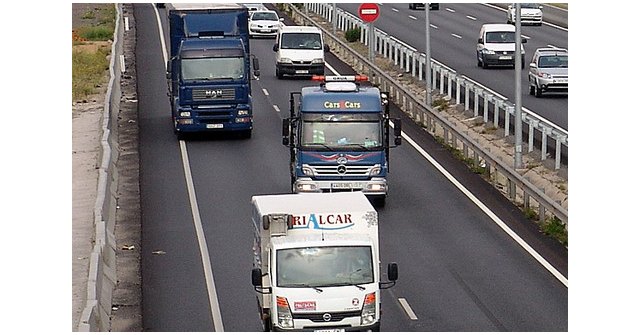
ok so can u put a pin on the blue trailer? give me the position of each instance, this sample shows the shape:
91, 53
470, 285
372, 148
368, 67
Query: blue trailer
338, 134
209, 72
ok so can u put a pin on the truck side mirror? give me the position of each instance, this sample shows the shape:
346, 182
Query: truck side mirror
392, 271
397, 131
285, 132
524, 40
256, 277
480, 41
275, 47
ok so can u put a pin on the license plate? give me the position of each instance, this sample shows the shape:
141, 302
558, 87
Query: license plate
346, 185
505, 57
302, 71
214, 126
329, 330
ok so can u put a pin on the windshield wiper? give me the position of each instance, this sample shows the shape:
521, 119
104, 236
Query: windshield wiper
305, 285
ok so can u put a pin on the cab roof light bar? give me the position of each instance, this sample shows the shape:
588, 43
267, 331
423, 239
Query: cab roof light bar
326, 79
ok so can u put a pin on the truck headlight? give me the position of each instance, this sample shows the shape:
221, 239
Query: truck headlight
317, 61
375, 170
243, 112
307, 170
285, 319
185, 114
368, 315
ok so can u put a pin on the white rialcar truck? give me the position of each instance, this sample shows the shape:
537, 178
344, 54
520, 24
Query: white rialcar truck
317, 263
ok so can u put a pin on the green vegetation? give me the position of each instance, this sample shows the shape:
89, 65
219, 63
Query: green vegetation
556, 229
352, 35
90, 50
88, 70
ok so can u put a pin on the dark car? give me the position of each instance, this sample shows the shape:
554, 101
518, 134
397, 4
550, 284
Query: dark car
434, 6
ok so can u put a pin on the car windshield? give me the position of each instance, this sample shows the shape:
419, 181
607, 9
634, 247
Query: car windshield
212, 68
529, 5
324, 266
301, 41
342, 131
264, 16
501, 37
553, 61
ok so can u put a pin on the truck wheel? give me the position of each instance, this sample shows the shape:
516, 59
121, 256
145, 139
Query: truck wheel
267, 325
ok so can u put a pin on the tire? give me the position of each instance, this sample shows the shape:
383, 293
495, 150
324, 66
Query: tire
484, 64
279, 74
532, 89
266, 325
538, 91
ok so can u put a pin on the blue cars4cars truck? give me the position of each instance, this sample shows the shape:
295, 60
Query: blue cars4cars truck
338, 134
209, 72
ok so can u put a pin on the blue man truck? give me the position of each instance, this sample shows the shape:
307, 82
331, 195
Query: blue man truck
209, 72
338, 135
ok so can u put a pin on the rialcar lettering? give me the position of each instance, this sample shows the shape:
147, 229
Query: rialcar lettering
344, 104
323, 221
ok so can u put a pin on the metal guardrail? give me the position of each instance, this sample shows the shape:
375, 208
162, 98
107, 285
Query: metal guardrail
430, 119
102, 265
485, 101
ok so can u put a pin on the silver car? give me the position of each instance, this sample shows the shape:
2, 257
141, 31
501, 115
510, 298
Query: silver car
549, 71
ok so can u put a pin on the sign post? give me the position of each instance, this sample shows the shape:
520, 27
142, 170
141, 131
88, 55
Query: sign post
369, 12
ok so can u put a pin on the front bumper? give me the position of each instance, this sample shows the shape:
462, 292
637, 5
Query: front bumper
372, 187
263, 32
300, 69
500, 59
553, 84
370, 328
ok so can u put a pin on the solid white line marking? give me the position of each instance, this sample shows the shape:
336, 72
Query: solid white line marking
471, 18
216, 315
407, 309
456, 36
264, 90
202, 242
488, 212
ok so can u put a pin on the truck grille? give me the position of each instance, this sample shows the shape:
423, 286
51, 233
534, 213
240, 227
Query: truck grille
206, 94
319, 317
341, 170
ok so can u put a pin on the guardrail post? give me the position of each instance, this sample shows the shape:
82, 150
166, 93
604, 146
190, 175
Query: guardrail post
413, 63
559, 141
449, 84
496, 112
532, 125
442, 80
476, 100
507, 117
545, 131
486, 99
421, 64
458, 93
467, 87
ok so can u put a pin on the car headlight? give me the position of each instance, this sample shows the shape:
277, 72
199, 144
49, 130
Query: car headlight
317, 61
488, 52
285, 60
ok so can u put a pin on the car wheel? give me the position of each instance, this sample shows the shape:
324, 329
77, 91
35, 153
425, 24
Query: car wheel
484, 64
278, 73
538, 91
411, 6
532, 89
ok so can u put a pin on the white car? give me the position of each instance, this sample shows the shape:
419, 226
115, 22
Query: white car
265, 23
530, 13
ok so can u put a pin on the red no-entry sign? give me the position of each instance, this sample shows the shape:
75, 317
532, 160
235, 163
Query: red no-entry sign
369, 12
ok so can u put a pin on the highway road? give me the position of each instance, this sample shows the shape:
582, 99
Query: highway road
459, 270
454, 34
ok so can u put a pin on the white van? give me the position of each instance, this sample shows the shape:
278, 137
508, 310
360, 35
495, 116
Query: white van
497, 45
299, 51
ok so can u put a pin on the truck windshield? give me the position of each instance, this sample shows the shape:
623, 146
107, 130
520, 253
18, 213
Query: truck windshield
301, 41
341, 131
231, 68
324, 266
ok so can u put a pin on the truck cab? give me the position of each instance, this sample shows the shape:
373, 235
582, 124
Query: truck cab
339, 138
316, 262
209, 72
